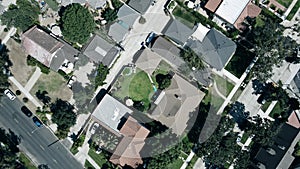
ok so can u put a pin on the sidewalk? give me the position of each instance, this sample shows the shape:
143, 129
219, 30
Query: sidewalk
286, 13
10, 33
30, 83
188, 159
26, 93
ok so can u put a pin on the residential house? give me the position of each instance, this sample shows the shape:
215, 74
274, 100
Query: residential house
171, 54
212, 46
177, 31
110, 112
231, 12
98, 50
128, 150
140, 5
126, 18
49, 50
280, 154
175, 103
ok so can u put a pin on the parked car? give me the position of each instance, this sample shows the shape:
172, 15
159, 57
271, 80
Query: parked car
37, 121
71, 81
9, 94
95, 126
26, 111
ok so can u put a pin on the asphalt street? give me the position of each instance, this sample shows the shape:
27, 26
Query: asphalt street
39, 143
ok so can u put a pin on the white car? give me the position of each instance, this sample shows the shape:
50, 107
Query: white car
95, 126
71, 81
10, 94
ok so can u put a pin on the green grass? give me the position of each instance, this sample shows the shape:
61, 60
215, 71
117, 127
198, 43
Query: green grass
175, 164
26, 162
98, 158
285, 3
215, 100
192, 162
265, 106
184, 16
223, 85
236, 95
245, 137
293, 11
52, 4
88, 165
276, 110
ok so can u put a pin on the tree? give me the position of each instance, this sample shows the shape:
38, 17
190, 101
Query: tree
101, 74
237, 111
77, 23
109, 14
42, 96
164, 81
63, 115
9, 149
5, 63
191, 58
22, 15
43, 166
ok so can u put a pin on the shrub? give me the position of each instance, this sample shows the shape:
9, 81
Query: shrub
33, 62
25, 99
18, 92
164, 81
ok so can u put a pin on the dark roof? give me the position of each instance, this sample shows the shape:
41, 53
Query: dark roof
140, 5
215, 49
177, 31
100, 50
271, 157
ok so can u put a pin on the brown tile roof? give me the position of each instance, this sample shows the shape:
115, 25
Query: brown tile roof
251, 10
212, 5
40, 45
128, 150
293, 120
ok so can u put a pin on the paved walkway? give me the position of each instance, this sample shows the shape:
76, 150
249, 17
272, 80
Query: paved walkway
95, 165
26, 93
286, 13
188, 159
30, 83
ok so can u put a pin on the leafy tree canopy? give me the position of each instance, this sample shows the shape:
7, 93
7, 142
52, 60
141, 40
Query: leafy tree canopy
22, 16
5, 63
77, 23
164, 81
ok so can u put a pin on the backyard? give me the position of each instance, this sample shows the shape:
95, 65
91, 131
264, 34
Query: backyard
54, 84
134, 84
184, 16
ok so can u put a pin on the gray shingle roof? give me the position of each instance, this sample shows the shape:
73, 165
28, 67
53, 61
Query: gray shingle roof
96, 3
177, 31
100, 50
215, 49
68, 2
140, 5
126, 18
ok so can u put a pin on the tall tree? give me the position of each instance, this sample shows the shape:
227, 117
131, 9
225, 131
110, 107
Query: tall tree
77, 23
5, 63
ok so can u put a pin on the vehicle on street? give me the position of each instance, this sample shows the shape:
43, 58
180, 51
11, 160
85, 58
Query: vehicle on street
37, 121
10, 94
71, 81
95, 126
26, 111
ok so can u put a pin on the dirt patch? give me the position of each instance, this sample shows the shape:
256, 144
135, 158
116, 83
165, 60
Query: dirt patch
54, 84
20, 70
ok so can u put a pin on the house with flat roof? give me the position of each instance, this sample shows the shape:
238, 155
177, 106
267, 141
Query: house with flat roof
128, 150
140, 5
49, 50
280, 154
109, 113
232, 12
98, 50
214, 48
126, 18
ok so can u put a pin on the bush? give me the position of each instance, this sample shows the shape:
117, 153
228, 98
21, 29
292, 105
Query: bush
164, 81
33, 62
18, 92
25, 99
102, 72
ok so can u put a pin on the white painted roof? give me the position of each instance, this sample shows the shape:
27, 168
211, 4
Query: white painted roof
230, 10
200, 32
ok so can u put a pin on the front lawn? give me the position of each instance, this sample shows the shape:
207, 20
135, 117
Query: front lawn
26, 162
265, 106
285, 3
213, 98
276, 110
223, 85
88, 165
240, 61
98, 158
175, 164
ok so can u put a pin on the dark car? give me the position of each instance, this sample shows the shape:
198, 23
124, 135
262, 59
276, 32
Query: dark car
26, 111
37, 121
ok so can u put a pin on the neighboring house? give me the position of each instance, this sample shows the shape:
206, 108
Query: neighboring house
232, 12
49, 50
177, 31
171, 54
126, 18
128, 150
213, 47
174, 104
280, 154
99, 50
95, 4
140, 5
109, 113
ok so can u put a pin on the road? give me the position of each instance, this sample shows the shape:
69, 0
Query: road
38, 143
